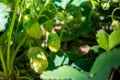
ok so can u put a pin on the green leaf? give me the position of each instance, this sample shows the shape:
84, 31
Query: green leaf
106, 61
105, 74
43, 19
95, 48
3, 38
46, 16
85, 27
72, 55
114, 39
78, 2
82, 64
4, 1
69, 33
60, 16
49, 13
27, 23
64, 73
49, 25
102, 39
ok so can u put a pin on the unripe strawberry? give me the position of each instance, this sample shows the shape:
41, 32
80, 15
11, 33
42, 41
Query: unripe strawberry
54, 42
115, 24
34, 30
26, 17
105, 6
38, 60
60, 16
115, 1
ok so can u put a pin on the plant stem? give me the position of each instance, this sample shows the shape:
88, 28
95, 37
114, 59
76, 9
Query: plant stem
44, 6
3, 62
111, 75
25, 77
15, 52
112, 15
10, 34
63, 27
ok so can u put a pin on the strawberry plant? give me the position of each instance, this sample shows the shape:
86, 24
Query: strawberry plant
59, 39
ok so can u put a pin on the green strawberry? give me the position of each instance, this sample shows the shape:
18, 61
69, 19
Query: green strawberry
115, 24
115, 1
34, 30
38, 60
106, 6
54, 42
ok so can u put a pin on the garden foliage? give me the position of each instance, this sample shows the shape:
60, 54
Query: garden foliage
36, 38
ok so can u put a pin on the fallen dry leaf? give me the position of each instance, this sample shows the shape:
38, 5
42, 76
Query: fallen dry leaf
84, 49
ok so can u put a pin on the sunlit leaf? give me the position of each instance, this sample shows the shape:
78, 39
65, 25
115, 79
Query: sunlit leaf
57, 59
61, 3
64, 73
3, 16
78, 2
60, 60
